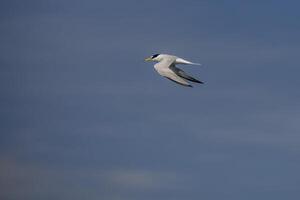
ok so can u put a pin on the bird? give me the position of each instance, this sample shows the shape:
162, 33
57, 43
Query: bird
166, 67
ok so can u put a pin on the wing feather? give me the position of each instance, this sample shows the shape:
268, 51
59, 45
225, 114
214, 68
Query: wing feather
182, 74
164, 68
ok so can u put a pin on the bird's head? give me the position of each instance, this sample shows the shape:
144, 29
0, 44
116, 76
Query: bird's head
155, 57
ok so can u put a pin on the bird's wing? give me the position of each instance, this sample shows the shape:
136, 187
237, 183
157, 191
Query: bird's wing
182, 74
173, 77
164, 69
164, 64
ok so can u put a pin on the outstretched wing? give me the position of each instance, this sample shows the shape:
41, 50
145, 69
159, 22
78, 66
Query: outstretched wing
182, 74
164, 69
173, 77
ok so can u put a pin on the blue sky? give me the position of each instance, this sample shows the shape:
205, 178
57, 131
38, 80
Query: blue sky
84, 117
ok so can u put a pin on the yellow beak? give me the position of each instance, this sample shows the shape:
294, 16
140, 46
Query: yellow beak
148, 59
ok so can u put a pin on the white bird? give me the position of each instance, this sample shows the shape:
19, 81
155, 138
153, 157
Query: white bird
166, 68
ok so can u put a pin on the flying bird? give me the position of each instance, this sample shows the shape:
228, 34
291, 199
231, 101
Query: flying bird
166, 67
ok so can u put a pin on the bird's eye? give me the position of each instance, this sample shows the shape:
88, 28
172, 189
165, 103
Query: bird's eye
155, 55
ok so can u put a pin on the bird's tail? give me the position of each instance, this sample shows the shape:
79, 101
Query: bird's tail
182, 61
195, 64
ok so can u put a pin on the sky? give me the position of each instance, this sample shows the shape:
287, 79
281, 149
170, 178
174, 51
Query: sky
84, 117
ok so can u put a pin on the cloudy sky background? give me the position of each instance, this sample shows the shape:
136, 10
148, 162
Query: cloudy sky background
84, 117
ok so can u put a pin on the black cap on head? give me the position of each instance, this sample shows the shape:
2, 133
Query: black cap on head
155, 55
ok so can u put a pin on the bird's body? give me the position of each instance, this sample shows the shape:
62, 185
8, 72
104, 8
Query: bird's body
166, 67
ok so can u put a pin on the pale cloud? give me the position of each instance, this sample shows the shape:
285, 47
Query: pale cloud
32, 179
142, 179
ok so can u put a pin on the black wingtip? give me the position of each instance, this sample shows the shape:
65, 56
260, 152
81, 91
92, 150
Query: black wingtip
196, 81
187, 85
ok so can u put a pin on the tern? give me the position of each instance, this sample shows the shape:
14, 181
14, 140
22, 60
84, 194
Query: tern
166, 67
